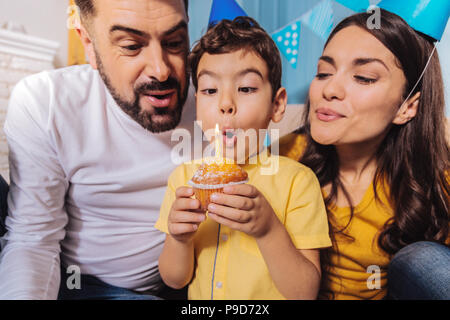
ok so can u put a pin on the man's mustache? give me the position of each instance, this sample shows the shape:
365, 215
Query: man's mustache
169, 84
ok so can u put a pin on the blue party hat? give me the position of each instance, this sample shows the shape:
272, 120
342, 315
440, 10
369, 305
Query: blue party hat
224, 9
427, 16
355, 5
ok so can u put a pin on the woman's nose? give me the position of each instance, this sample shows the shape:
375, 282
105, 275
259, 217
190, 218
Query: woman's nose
334, 89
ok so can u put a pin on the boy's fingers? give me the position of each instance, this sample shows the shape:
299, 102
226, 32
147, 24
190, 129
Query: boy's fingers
229, 213
246, 190
234, 201
187, 217
182, 204
226, 222
182, 228
184, 192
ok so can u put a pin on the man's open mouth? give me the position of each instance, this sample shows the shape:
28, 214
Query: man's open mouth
160, 100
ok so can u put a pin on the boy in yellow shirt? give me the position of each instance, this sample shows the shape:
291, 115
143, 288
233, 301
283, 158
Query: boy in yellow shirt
259, 240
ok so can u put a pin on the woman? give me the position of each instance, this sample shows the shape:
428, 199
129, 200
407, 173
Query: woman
375, 137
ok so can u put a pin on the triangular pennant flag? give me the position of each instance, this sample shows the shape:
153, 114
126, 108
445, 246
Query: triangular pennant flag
320, 19
355, 5
224, 9
288, 41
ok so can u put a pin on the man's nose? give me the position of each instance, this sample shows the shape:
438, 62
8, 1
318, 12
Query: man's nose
157, 66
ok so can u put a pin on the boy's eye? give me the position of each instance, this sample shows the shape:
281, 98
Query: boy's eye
365, 80
247, 89
208, 91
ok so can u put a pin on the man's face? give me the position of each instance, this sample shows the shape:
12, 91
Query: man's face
140, 49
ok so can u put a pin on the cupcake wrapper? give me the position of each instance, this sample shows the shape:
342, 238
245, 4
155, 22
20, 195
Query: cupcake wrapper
203, 192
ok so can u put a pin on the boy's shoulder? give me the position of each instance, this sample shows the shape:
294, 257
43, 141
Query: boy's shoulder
182, 173
292, 166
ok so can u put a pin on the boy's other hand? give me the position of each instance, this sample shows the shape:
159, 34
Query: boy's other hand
243, 208
185, 215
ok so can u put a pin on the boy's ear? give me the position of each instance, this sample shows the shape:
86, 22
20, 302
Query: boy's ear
408, 110
88, 46
279, 105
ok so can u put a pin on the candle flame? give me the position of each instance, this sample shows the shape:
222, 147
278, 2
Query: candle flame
217, 144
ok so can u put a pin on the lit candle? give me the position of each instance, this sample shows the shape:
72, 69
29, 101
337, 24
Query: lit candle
218, 145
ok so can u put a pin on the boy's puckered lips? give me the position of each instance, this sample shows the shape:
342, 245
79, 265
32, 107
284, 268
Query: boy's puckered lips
229, 136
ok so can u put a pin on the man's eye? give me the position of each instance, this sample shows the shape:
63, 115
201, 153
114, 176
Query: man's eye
177, 45
133, 47
208, 91
174, 44
247, 89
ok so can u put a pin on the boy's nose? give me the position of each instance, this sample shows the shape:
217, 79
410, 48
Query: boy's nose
228, 109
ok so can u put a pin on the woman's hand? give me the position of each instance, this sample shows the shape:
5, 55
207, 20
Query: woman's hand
243, 208
184, 216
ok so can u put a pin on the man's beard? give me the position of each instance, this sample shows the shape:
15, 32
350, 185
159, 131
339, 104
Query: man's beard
146, 118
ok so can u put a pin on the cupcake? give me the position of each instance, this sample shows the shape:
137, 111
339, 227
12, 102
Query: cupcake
211, 178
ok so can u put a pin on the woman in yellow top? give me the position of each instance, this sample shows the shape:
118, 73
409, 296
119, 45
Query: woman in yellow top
376, 142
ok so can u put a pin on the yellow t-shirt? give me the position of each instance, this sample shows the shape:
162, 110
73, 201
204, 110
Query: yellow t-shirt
228, 263
359, 271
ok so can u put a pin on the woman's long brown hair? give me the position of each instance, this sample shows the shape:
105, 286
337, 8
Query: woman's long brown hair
414, 158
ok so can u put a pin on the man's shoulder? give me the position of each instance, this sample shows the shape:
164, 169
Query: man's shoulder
62, 78
44, 87
45, 96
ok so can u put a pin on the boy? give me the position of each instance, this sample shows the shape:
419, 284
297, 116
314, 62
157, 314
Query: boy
259, 240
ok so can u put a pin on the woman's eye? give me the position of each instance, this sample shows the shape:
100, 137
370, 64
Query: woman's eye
247, 89
322, 76
365, 80
208, 91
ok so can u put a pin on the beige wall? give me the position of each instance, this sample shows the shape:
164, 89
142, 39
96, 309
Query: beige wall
41, 18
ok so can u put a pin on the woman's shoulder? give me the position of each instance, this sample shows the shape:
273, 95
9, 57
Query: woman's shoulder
292, 145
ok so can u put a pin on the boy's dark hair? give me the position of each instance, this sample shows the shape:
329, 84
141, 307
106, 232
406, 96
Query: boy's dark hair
242, 33
87, 8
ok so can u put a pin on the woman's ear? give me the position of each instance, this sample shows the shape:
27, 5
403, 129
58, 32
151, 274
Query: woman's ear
88, 46
408, 110
279, 105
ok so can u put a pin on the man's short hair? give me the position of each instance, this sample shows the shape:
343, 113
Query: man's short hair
87, 8
230, 36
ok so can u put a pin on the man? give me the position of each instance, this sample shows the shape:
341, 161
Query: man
90, 154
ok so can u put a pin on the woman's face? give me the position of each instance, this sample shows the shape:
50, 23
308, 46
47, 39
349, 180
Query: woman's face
357, 92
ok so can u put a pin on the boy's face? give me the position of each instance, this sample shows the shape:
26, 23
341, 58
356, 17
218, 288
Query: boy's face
234, 92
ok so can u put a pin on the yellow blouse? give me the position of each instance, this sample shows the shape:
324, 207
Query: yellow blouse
358, 267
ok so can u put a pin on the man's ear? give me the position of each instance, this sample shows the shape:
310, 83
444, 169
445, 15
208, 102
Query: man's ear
279, 105
408, 110
88, 45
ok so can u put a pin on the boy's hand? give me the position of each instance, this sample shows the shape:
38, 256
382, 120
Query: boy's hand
242, 207
184, 216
